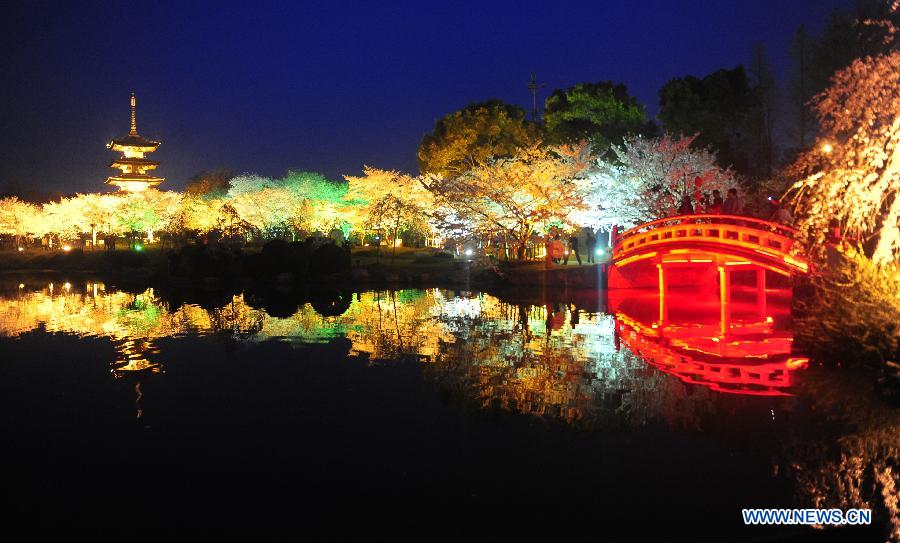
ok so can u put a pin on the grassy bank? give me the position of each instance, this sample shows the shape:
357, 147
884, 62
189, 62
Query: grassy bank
151, 260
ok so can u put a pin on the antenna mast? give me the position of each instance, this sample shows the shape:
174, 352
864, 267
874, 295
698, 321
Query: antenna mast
533, 87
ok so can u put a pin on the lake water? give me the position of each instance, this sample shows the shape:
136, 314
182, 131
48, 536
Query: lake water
447, 412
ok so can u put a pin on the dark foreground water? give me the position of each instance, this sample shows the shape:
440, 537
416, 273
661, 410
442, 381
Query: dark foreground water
435, 412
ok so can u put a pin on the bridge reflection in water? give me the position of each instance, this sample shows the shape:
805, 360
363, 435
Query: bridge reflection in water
752, 355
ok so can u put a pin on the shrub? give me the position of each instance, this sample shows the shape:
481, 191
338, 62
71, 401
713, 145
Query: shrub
278, 256
329, 259
853, 311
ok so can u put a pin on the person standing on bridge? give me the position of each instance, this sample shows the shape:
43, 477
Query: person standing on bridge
590, 244
716, 206
734, 204
781, 215
686, 207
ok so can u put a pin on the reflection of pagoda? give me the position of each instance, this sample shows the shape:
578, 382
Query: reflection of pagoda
134, 176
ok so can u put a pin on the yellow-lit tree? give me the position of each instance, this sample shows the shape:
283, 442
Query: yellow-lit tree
852, 175
21, 219
388, 201
519, 195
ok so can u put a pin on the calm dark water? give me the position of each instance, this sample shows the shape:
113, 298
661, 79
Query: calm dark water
434, 411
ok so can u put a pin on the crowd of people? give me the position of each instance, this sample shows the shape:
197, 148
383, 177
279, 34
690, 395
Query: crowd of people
559, 251
733, 204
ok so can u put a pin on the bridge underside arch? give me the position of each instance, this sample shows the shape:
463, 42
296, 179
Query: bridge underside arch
692, 264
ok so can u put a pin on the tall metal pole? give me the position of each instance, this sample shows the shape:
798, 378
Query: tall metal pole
533, 87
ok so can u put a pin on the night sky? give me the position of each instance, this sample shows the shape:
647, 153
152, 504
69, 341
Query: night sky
330, 86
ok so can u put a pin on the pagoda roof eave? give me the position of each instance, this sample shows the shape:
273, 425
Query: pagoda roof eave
133, 141
134, 163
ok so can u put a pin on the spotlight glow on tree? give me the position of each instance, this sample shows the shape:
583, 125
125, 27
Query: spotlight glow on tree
648, 179
857, 183
389, 201
21, 219
518, 195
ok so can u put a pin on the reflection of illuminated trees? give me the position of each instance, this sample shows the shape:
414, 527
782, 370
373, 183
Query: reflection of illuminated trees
506, 357
855, 464
522, 358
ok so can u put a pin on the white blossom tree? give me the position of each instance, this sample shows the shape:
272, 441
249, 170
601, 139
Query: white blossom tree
648, 179
852, 175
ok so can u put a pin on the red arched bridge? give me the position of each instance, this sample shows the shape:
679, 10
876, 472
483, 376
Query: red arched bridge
698, 250
723, 240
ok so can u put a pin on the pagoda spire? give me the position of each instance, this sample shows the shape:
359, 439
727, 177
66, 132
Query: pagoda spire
133, 163
133, 118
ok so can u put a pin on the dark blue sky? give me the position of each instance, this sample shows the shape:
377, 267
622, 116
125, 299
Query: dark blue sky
330, 86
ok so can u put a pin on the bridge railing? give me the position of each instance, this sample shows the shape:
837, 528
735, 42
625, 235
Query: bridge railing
734, 230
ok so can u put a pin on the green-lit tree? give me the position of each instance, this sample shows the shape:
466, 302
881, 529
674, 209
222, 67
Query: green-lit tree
601, 113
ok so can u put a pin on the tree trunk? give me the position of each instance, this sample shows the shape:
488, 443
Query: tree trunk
520, 250
889, 234
394, 241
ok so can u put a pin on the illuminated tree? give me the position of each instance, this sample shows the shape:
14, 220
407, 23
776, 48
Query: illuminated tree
601, 113
468, 137
388, 201
149, 210
262, 203
96, 212
518, 195
852, 175
201, 213
210, 184
648, 180
321, 203
300, 201
21, 219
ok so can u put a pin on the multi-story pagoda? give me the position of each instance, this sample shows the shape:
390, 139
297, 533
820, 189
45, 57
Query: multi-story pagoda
134, 176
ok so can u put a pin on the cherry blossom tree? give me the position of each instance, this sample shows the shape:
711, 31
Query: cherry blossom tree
149, 211
852, 174
388, 201
21, 219
518, 195
647, 180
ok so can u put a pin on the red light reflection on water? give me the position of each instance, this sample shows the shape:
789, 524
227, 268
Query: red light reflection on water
751, 353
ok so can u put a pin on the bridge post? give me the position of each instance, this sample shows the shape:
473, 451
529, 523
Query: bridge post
663, 291
725, 299
761, 293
